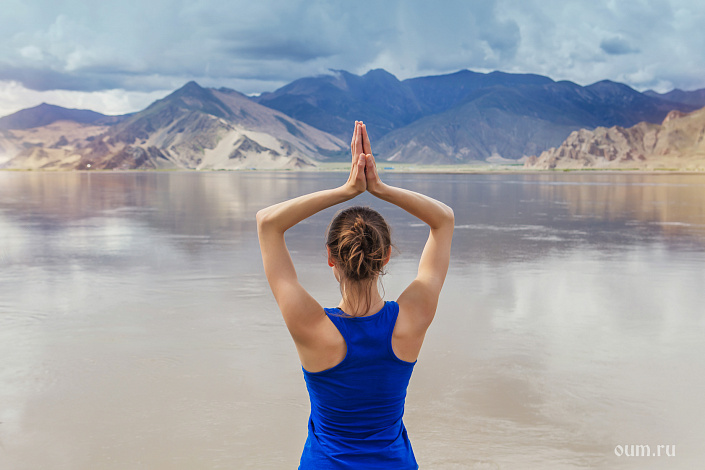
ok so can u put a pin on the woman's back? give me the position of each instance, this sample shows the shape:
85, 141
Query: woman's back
357, 398
357, 405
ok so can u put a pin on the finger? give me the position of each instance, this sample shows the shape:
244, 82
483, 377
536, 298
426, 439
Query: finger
353, 144
353, 141
354, 167
361, 164
366, 141
370, 166
358, 140
357, 135
360, 173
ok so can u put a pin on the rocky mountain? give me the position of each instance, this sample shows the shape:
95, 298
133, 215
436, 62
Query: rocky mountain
442, 92
678, 142
518, 121
455, 118
194, 127
332, 102
464, 116
482, 129
694, 98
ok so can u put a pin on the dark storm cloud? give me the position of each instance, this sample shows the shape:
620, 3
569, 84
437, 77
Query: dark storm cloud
294, 51
47, 79
617, 46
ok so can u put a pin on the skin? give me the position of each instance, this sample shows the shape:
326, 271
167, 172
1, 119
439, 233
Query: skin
318, 342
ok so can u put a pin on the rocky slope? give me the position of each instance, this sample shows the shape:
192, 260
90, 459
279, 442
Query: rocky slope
678, 142
194, 127
57, 145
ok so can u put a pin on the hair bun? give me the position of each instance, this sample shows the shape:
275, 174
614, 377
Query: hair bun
359, 241
359, 224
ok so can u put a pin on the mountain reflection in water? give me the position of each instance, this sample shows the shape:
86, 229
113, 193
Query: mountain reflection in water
137, 329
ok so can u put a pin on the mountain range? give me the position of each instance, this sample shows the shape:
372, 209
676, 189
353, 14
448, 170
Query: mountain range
461, 117
464, 116
194, 127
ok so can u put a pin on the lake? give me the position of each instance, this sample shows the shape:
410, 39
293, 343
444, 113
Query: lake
137, 330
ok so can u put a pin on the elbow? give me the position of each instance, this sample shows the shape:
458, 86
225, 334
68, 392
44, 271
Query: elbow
262, 218
268, 221
447, 217
444, 219
450, 215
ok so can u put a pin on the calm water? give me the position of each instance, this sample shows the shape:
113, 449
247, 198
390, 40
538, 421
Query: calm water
137, 330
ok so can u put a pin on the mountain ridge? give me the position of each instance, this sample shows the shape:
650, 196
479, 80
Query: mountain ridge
694, 97
504, 120
45, 114
460, 117
191, 128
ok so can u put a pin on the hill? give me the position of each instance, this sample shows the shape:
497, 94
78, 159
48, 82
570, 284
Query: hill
678, 142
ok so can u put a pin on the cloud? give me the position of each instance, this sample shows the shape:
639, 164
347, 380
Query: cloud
290, 51
617, 46
113, 44
42, 79
258, 46
14, 97
654, 43
456, 36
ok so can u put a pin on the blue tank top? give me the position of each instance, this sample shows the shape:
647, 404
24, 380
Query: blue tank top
357, 405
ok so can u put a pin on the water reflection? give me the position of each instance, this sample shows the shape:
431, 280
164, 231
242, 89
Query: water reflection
137, 330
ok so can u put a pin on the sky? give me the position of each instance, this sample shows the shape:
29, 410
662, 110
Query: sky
118, 57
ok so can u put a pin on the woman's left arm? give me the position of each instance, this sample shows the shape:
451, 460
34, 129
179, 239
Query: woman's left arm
301, 312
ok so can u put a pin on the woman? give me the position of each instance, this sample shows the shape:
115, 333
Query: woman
357, 358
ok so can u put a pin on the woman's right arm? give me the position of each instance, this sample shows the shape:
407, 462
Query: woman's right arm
302, 314
420, 299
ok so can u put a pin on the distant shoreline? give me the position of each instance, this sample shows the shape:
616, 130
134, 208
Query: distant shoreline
483, 168
397, 168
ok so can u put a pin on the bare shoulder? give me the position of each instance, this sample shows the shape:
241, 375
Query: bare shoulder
409, 332
321, 346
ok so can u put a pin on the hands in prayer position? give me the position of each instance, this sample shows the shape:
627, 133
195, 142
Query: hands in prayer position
363, 171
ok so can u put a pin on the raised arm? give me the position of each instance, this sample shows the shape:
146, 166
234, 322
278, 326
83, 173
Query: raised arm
420, 299
300, 311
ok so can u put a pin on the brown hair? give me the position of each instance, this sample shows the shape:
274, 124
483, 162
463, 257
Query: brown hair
359, 240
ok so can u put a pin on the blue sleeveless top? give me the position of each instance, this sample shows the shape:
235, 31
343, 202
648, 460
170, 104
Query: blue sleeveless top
357, 405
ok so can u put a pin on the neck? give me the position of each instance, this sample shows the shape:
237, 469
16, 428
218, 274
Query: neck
361, 298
